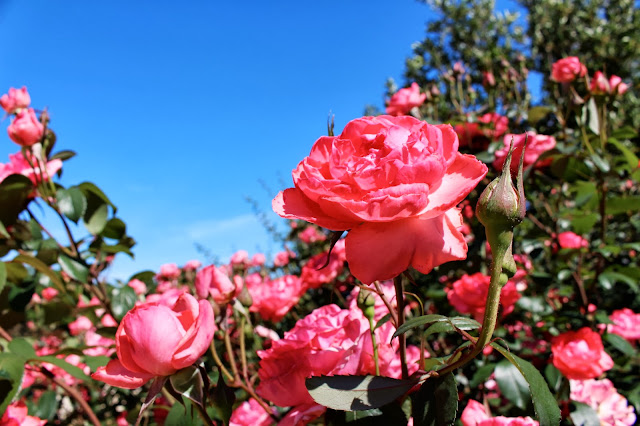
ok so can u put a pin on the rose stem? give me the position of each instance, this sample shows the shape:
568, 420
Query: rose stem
397, 282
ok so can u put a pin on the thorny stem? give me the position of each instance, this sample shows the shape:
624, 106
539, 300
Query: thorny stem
232, 360
397, 282
243, 354
375, 346
219, 363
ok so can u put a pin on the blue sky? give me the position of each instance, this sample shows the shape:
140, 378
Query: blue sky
179, 111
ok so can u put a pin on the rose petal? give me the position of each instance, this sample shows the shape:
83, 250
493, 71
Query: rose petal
116, 374
293, 204
461, 177
380, 251
198, 338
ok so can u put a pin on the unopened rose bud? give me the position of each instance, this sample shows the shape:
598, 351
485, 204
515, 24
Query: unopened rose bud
501, 208
245, 297
366, 303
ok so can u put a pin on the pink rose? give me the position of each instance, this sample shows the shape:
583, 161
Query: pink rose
626, 323
192, 265
536, 145
571, 240
311, 235
580, 355
138, 286
394, 183
612, 408
281, 259
49, 293
315, 273
475, 414
212, 281
16, 415
154, 340
80, 325
566, 70
15, 100
405, 99
601, 86
478, 135
258, 259
272, 299
301, 415
240, 258
18, 164
468, 295
169, 271
250, 413
318, 344
25, 129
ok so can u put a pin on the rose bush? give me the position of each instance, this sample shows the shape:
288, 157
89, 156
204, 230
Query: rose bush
393, 182
580, 355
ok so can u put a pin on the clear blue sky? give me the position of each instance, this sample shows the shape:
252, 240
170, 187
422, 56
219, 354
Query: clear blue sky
178, 109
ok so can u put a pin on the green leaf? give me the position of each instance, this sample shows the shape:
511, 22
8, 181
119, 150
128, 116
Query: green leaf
90, 188
544, 403
600, 163
610, 277
224, 397
22, 348
537, 113
96, 220
390, 414
73, 268
617, 205
482, 375
382, 321
553, 376
63, 155
3, 231
94, 362
182, 416
512, 384
123, 299
69, 368
630, 158
436, 402
14, 197
11, 371
590, 116
41, 267
71, 203
620, 343
3, 275
46, 407
584, 415
462, 323
350, 393
114, 229
188, 382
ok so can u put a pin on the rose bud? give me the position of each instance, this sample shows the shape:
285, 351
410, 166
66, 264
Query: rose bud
215, 282
15, 100
156, 341
25, 129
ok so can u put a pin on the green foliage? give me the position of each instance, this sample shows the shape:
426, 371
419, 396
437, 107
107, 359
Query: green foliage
436, 402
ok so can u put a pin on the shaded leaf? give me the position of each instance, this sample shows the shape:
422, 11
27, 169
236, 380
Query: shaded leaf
224, 397
46, 407
188, 382
22, 348
114, 229
350, 393
69, 368
41, 267
63, 155
123, 299
14, 196
544, 403
462, 323
584, 415
90, 188
620, 343
436, 402
11, 371
3, 275
96, 220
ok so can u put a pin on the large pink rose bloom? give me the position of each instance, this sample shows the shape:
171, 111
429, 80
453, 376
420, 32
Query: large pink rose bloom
15, 99
215, 282
154, 340
475, 414
566, 70
626, 323
394, 183
536, 145
272, 299
405, 99
321, 343
580, 355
